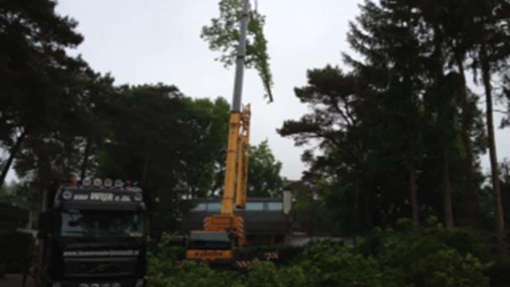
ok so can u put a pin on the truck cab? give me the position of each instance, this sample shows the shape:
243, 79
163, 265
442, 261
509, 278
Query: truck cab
94, 236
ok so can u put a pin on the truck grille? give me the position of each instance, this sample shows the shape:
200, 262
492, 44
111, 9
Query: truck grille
91, 267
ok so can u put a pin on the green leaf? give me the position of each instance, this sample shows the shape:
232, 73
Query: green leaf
223, 36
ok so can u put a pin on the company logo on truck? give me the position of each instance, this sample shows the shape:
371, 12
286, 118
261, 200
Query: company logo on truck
80, 253
132, 194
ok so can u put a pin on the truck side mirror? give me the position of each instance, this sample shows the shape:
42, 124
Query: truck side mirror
45, 224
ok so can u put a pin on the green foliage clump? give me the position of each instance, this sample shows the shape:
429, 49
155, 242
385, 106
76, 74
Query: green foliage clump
167, 270
223, 36
264, 172
264, 274
328, 264
432, 257
400, 133
166, 274
499, 272
447, 268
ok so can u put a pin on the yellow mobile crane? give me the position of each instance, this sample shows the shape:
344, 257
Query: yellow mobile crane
224, 233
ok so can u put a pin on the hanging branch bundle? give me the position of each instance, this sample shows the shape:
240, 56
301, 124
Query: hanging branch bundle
223, 36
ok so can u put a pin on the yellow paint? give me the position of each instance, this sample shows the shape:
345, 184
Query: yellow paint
227, 206
210, 256
242, 159
234, 195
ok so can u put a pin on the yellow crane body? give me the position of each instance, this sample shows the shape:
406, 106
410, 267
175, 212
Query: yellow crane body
227, 226
224, 233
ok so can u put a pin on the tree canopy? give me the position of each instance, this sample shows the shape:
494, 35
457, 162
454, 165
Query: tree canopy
397, 131
400, 132
264, 179
36, 72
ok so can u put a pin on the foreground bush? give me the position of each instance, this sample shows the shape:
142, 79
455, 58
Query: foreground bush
499, 272
447, 268
430, 257
328, 264
387, 259
162, 274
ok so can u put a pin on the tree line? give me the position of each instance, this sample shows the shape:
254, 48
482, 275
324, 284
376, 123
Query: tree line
60, 118
401, 130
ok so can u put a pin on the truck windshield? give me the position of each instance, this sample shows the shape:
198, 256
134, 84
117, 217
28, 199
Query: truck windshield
99, 223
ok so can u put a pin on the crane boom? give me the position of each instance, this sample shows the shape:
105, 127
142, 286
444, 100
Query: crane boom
243, 158
224, 232
241, 55
236, 143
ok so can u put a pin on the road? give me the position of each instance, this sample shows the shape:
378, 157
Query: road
13, 280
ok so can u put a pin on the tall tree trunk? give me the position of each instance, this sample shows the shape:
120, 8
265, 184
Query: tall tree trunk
85, 160
30, 222
356, 212
445, 113
413, 188
368, 210
447, 193
500, 219
145, 171
12, 154
472, 199
42, 265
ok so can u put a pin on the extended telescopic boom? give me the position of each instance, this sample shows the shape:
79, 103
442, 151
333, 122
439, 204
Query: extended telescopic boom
241, 55
238, 138
226, 230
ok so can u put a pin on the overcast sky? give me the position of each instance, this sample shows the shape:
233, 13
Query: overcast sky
151, 41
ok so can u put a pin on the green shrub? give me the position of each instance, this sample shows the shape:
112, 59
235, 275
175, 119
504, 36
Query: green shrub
163, 273
168, 249
263, 274
166, 269
432, 257
447, 268
464, 241
294, 276
285, 253
331, 264
499, 272
200, 275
